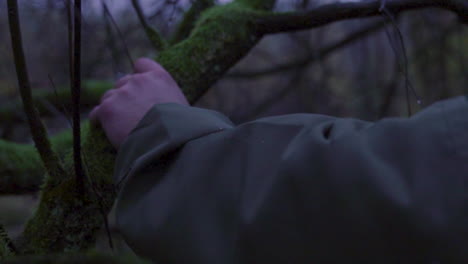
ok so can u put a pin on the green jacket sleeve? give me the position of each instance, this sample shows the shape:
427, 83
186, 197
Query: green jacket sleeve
299, 188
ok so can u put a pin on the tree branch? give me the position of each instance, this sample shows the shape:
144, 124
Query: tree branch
90, 95
318, 55
38, 131
222, 36
325, 14
258, 4
189, 20
158, 42
76, 94
64, 221
109, 15
6, 246
21, 170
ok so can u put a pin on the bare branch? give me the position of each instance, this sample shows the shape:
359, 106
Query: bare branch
158, 42
319, 55
119, 32
38, 131
258, 4
76, 94
325, 14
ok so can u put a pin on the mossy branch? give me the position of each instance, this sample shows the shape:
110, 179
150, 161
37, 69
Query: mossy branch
38, 131
221, 37
21, 170
158, 42
90, 95
190, 18
65, 221
7, 248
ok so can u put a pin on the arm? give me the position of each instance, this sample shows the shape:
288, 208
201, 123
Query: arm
296, 189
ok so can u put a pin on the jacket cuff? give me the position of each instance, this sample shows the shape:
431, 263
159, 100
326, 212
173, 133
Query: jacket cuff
163, 129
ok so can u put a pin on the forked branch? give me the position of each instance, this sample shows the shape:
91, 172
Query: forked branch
189, 20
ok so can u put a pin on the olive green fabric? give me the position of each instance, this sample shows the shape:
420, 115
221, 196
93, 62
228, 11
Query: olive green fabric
300, 188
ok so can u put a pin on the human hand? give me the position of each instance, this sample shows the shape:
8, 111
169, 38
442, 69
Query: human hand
122, 108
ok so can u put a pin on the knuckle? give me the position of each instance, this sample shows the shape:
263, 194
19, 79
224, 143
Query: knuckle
141, 80
125, 91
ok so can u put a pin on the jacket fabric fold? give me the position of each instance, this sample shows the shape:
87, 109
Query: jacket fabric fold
302, 188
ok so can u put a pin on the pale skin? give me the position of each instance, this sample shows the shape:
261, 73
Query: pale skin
133, 96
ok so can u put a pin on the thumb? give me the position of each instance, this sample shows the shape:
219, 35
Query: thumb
143, 65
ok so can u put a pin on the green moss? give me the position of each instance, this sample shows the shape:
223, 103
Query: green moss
65, 221
92, 91
21, 170
189, 20
222, 36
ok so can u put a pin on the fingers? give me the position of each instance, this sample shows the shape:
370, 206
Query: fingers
122, 81
107, 94
143, 65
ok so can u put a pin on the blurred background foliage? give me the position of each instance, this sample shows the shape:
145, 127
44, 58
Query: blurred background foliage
356, 68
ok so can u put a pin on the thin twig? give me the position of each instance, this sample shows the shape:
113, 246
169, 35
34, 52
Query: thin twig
119, 33
320, 54
66, 114
158, 42
408, 85
38, 131
76, 94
